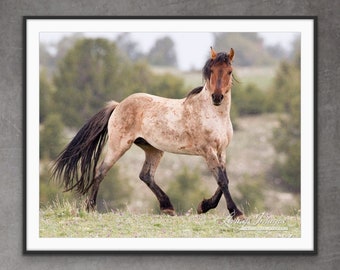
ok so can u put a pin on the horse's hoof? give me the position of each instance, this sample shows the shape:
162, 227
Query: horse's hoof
169, 212
90, 206
201, 209
90, 209
240, 217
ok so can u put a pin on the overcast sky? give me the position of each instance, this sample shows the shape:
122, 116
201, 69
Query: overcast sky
191, 48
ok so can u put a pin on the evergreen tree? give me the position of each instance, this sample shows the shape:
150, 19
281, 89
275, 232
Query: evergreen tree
46, 91
287, 137
88, 76
249, 48
51, 141
129, 47
163, 53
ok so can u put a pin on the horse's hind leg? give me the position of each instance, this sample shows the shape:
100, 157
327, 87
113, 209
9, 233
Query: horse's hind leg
111, 157
101, 172
152, 159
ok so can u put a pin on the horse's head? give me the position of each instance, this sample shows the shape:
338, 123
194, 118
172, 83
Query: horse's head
217, 73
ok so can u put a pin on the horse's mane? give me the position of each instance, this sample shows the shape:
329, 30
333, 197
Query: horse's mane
195, 91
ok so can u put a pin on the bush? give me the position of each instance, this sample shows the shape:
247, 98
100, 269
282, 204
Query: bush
287, 137
114, 192
248, 100
252, 198
187, 190
51, 141
49, 190
287, 143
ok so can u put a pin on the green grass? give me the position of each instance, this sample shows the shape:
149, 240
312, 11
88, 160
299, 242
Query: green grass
67, 220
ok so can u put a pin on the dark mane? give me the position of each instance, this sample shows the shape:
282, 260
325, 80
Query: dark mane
221, 58
195, 91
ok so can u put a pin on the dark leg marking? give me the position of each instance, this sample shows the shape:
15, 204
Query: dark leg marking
92, 199
164, 201
211, 203
152, 159
223, 181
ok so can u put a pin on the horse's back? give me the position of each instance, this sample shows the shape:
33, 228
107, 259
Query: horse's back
140, 109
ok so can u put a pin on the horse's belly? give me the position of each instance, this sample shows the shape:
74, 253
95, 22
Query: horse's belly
174, 142
185, 141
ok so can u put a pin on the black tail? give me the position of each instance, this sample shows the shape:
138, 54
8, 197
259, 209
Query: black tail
76, 165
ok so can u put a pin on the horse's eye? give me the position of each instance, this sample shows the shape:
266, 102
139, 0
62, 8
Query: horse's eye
230, 72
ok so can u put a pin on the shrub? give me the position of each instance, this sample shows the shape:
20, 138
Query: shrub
51, 140
251, 198
287, 137
114, 192
248, 100
187, 190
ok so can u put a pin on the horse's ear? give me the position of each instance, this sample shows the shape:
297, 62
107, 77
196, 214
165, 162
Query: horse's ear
213, 53
231, 54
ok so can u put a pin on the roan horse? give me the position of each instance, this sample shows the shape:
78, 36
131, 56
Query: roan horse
196, 125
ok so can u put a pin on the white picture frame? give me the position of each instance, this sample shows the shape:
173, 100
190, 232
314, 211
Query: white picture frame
306, 26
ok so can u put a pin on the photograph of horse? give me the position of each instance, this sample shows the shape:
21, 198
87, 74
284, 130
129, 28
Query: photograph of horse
198, 124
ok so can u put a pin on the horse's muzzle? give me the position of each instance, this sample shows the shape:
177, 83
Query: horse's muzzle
217, 99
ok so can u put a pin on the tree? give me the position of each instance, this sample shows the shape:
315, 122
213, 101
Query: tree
129, 47
46, 92
65, 44
51, 141
46, 60
249, 48
276, 51
94, 71
50, 54
88, 75
287, 136
163, 53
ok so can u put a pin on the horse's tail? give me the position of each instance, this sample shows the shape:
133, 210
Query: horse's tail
76, 165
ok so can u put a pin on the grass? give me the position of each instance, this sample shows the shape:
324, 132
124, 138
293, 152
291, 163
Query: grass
67, 220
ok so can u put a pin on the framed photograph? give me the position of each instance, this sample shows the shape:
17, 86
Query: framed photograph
226, 106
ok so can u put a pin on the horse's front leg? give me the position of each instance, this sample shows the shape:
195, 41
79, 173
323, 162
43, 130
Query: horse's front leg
210, 203
218, 169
